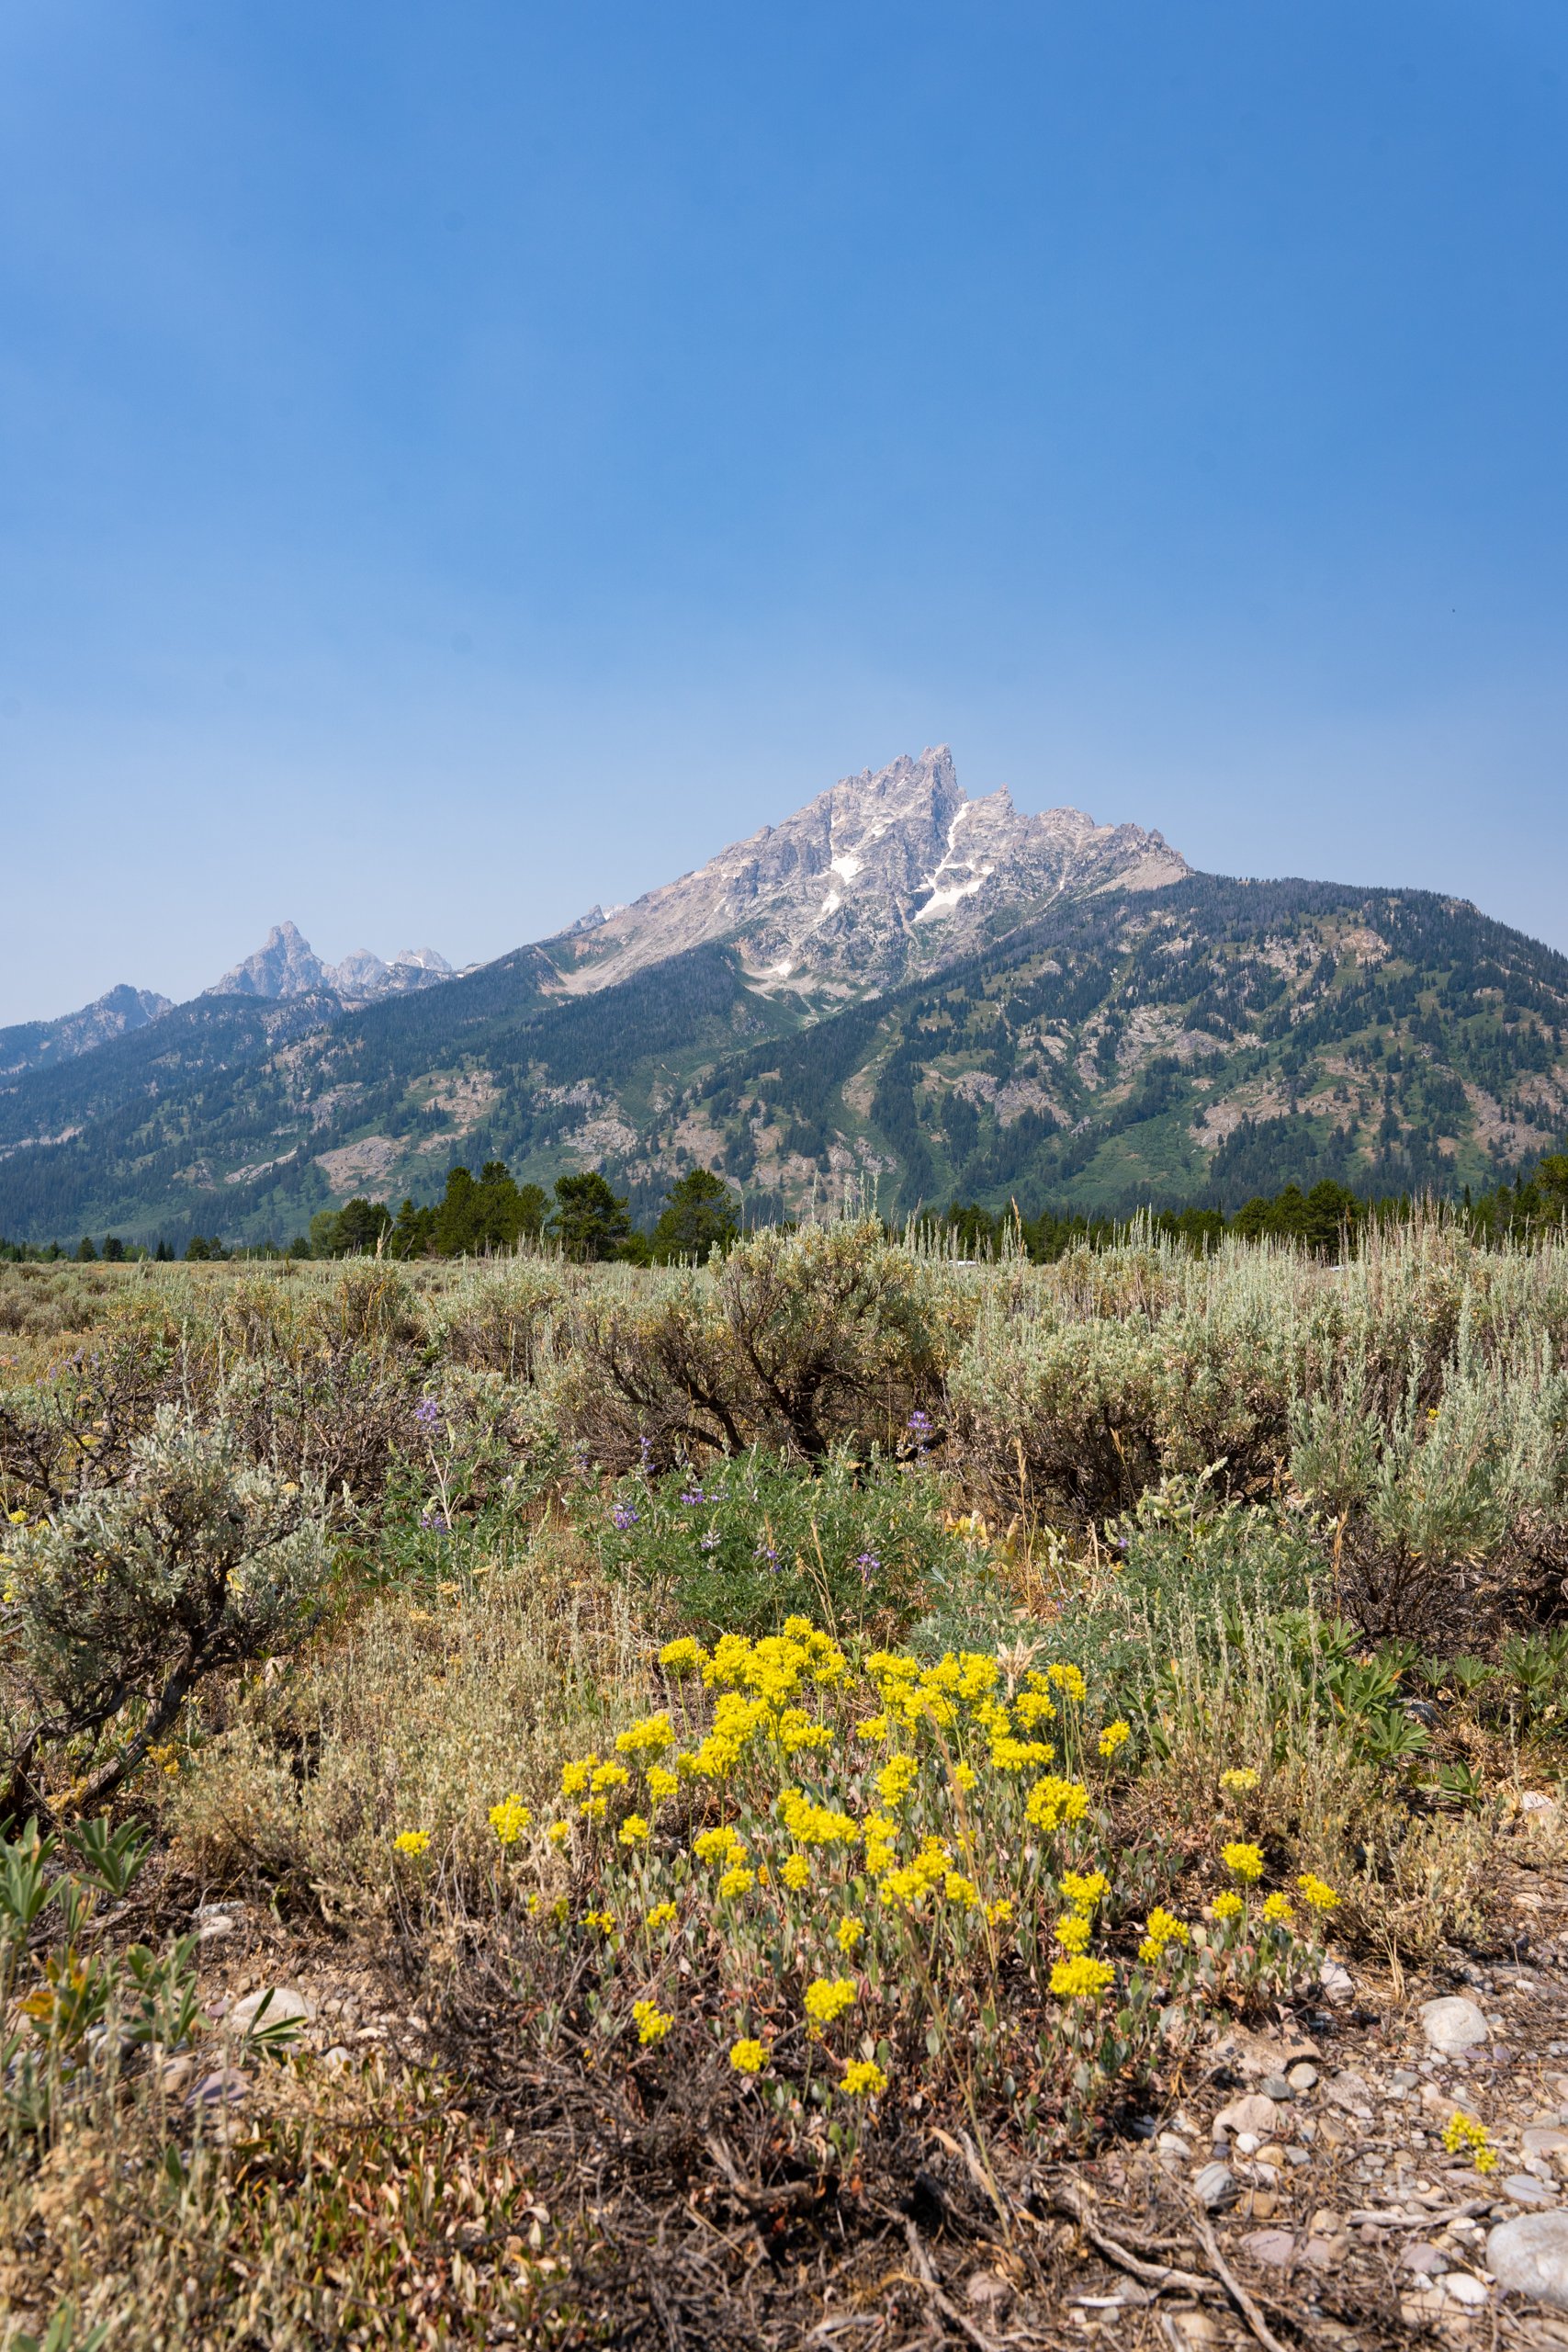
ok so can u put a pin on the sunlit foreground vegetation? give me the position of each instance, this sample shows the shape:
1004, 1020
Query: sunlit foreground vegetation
744, 1718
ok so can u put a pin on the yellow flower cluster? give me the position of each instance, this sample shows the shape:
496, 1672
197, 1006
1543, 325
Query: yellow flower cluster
1160, 1929
652, 2023
509, 1819
1315, 1892
862, 2078
1462, 2131
1244, 1862
1053, 1801
411, 1841
1238, 1780
1116, 1735
828, 1997
1081, 1979
748, 2057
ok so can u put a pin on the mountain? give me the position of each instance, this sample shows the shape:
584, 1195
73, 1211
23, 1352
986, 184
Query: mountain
37, 1044
287, 965
997, 1006
881, 877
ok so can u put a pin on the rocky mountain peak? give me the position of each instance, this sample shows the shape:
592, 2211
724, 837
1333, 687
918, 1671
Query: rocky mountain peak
891, 871
287, 965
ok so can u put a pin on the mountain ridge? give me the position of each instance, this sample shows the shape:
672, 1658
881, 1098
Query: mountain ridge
1083, 1017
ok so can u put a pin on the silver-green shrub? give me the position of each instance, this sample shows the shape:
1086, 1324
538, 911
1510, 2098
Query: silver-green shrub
123, 1599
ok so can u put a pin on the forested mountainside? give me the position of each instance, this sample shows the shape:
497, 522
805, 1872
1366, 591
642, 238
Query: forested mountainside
1208, 1039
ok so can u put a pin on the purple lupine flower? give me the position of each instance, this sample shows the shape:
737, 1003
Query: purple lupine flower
623, 1516
695, 1497
918, 1424
427, 1413
436, 1521
767, 1552
868, 1564
710, 1542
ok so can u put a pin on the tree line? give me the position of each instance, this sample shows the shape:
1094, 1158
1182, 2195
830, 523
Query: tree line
590, 1223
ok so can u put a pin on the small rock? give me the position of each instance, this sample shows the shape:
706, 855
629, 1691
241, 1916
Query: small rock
212, 1925
1442, 2106
1302, 2075
1542, 1807
1247, 2144
176, 2073
337, 2058
1277, 2087
1171, 2144
1324, 2254
1272, 2247
224, 2088
1524, 2190
1215, 2188
1336, 1981
1452, 2025
274, 2005
1530, 2256
988, 2291
1462, 2287
1349, 2090
1196, 2327
1543, 2139
1253, 2113
1403, 2079
1261, 2203
1424, 2257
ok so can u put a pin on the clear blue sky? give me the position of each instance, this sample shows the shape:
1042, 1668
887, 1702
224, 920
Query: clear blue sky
460, 462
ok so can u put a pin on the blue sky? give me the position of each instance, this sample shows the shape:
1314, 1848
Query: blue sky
457, 464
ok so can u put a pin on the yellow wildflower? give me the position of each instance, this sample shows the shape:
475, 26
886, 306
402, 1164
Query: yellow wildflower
737, 1882
1160, 1929
595, 1808
1083, 1893
795, 1872
848, 1934
896, 1778
1052, 1802
961, 1890
634, 1830
1277, 1910
649, 1737
1244, 1862
603, 1920
748, 2057
559, 1833
661, 1783
610, 1776
684, 1657
652, 2022
1462, 2131
872, 1727
1017, 1754
1070, 1682
509, 1819
411, 1841
661, 1914
1072, 1931
999, 1913
1228, 1906
828, 1997
1034, 1707
1316, 1891
1238, 1780
862, 2078
718, 1846
1113, 1737
574, 1776
966, 1778
1081, 1979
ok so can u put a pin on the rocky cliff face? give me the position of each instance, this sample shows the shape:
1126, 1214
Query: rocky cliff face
35, 1045
884, 875
287, 965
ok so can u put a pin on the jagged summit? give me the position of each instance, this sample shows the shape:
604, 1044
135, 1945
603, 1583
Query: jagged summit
889, 870
287, 965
